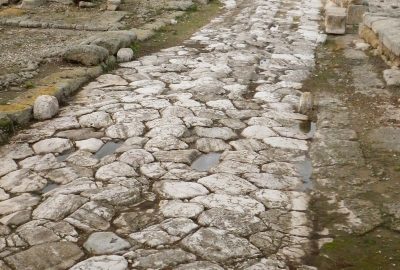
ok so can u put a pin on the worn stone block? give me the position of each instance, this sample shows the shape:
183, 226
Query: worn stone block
335, 20
355, 13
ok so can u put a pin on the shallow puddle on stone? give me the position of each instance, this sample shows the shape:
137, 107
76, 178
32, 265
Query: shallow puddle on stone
50, 187
206, 162
308, 127
305, 170
63, 157
107, 149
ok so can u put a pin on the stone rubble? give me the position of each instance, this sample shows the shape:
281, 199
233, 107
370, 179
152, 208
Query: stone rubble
112, 174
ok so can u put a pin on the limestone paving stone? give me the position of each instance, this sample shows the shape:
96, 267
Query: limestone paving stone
92, 145
227, 184
104, 262
7, 165
136, 157
115, 169
218, 245
101, 243
162, 259
21, 181
179, 189
199, 265
176, 208
53, 145
22, 202
96, 120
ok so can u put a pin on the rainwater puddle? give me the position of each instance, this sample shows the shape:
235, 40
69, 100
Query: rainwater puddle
63, 157
107, 149
50, 187
305, 170
205, 162
308, 127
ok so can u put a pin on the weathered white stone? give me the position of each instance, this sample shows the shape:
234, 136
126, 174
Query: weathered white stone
92, 216
274, 181
258, 132
211, 145
179, 226
96, 120
199, 265
45, 107
177, 156
154, 238
91, 145
19, 203
21, 181
237, 223
52, 145
82, 158
16, 151
125, 130
222, 104
124, 55
179, 189
165, 143
392, 77
215, 132
286, 143
105, 262
193, 121
58, 207
136, 157
234, 167
100, 243
7, 165
162, 259
180, 209
227, 184
289, 200
218, 245
241, 204
113, 170
167, 130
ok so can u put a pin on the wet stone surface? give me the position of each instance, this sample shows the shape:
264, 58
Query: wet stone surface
183, 159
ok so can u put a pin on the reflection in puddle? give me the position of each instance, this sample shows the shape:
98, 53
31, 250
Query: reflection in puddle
50, 187
107, 149
305, 171
308, 127
63, 157
206, 162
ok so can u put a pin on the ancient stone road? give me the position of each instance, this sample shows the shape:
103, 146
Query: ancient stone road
190, 158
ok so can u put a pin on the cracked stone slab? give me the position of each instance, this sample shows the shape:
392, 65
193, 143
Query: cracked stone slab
223, 133
105, 262
179, 189
21, 181
177, 156
218, 245
177, 208
241, 204
162, 259
227, 184
113, 170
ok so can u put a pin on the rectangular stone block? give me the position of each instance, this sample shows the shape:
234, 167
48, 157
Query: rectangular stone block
355, 13
335, 20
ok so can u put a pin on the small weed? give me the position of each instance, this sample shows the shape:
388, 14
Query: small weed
135, 48
29, 85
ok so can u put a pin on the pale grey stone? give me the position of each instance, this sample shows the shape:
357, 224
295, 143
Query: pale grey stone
114, 194
21, 181
274, 181
152, 170
88, 55
232, 123
211, 145
199, 265
215, 132
222, 104
7, 165
125, 130
167, 130
241, 204
41, 163
179, 226
248, 144
16, 218
227, 184
22, 202
162, 259
286, 143
136, 157
45, 107
100, 243
16, 151
234, 167
392, 77
166, 143
193, 121
242, 224
68, 174
218, 245
82, 158
154, 237
59, 255
105, 262
180, 209
124, 55
289, 200
258, 132
179, 189
91, 145
57, 207
113, 170
52, 145
96, 120
177, 156
92, 216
